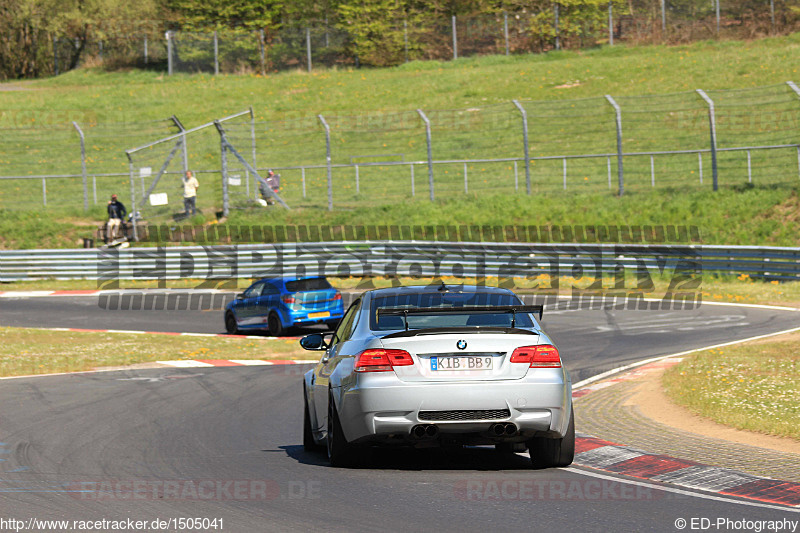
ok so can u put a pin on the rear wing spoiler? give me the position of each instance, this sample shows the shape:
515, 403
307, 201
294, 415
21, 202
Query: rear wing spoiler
487, 310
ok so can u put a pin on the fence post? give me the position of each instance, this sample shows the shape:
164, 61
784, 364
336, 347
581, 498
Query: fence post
558, 40
455, 38
430, 151
618, 113
223, 153
713, 128
610, 24
328, 160
55, 55
182, 131
133, 196
261, 51
717, 20
525, 144
168, 35
505, 30
308, 48
44, 192
466, 180
253, 144
145, 49
663, 18
772, 14
83, 167
405, 37
216, 53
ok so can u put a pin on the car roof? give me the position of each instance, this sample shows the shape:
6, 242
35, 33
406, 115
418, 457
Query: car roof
433, 289
284, 279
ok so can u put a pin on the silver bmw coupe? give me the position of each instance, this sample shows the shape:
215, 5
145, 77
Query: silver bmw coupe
438, 366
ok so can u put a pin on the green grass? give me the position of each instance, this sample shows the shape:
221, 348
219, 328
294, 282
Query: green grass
372, 112
28, 351
752, 386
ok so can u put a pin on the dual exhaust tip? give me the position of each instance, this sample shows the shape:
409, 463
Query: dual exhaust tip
503, 429
425, 431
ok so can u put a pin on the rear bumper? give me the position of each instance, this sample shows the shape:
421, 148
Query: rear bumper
381, 407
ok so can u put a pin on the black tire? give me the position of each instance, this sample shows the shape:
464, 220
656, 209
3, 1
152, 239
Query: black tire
230, 324
309, 444
340, 453
274, 325
549, 453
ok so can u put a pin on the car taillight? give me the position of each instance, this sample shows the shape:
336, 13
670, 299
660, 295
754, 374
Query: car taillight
337, 296
288, 299
380, 360
541, 356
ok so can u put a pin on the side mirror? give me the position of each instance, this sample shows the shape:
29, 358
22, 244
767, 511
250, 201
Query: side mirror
314, 341
240, 296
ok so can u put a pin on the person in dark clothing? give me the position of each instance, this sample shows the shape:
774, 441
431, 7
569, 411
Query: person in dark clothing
273, 181
116, 213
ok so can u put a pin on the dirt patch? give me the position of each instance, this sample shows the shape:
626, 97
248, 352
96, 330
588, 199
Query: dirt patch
653, 403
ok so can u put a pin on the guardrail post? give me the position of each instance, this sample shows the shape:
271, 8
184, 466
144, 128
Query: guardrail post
526, 145
713, 128
328, 160
618, 113
168, 35
133, 196
83, 167
430, 151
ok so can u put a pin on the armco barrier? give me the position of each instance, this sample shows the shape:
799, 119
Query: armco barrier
390, 258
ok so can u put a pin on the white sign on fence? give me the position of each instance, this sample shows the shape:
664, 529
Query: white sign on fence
145, 171
236, 179
159, 198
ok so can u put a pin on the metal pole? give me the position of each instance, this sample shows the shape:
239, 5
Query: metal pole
146, 58
652, 172
55, 55
413, 193
405, 37
516, 177
253, 144
713, 128
430, 151
455, 38
466, 180
700, 164
772, 14
328, 160
216, 53
224, 170
308, 48
505, 30
133, 196
564, 165
182, 130
94, 189
526, 146
303, 178
618, 113
100, 49
558, 40
358, 186
717, 22
663, 17
608, 162
749, 170
610, 24
44, 192
261, 50
168, 35
83, 167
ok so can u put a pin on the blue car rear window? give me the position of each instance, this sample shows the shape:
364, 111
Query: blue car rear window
305, 285
446, 299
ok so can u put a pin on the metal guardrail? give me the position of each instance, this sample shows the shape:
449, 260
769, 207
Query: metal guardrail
397, 258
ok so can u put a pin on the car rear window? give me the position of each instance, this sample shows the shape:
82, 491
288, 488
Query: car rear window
305, 285
450, 300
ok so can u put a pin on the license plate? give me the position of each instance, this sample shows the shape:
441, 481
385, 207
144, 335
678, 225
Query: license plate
322, 314
461, 363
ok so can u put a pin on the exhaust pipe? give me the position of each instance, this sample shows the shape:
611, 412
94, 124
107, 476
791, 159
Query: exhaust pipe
503, 429
422, 431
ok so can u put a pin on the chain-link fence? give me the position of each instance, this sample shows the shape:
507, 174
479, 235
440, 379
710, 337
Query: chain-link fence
682, 141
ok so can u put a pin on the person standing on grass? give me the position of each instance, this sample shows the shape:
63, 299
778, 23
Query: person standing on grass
190, 186
116, 213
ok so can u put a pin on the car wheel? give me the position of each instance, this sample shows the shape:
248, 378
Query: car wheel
230, 324
309, 444
548, 453
340, 453
274, 325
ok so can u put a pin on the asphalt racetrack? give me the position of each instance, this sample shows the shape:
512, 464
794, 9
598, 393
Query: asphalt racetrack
223, 445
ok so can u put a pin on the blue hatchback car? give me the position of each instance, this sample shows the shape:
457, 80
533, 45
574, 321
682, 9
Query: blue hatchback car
276, 304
